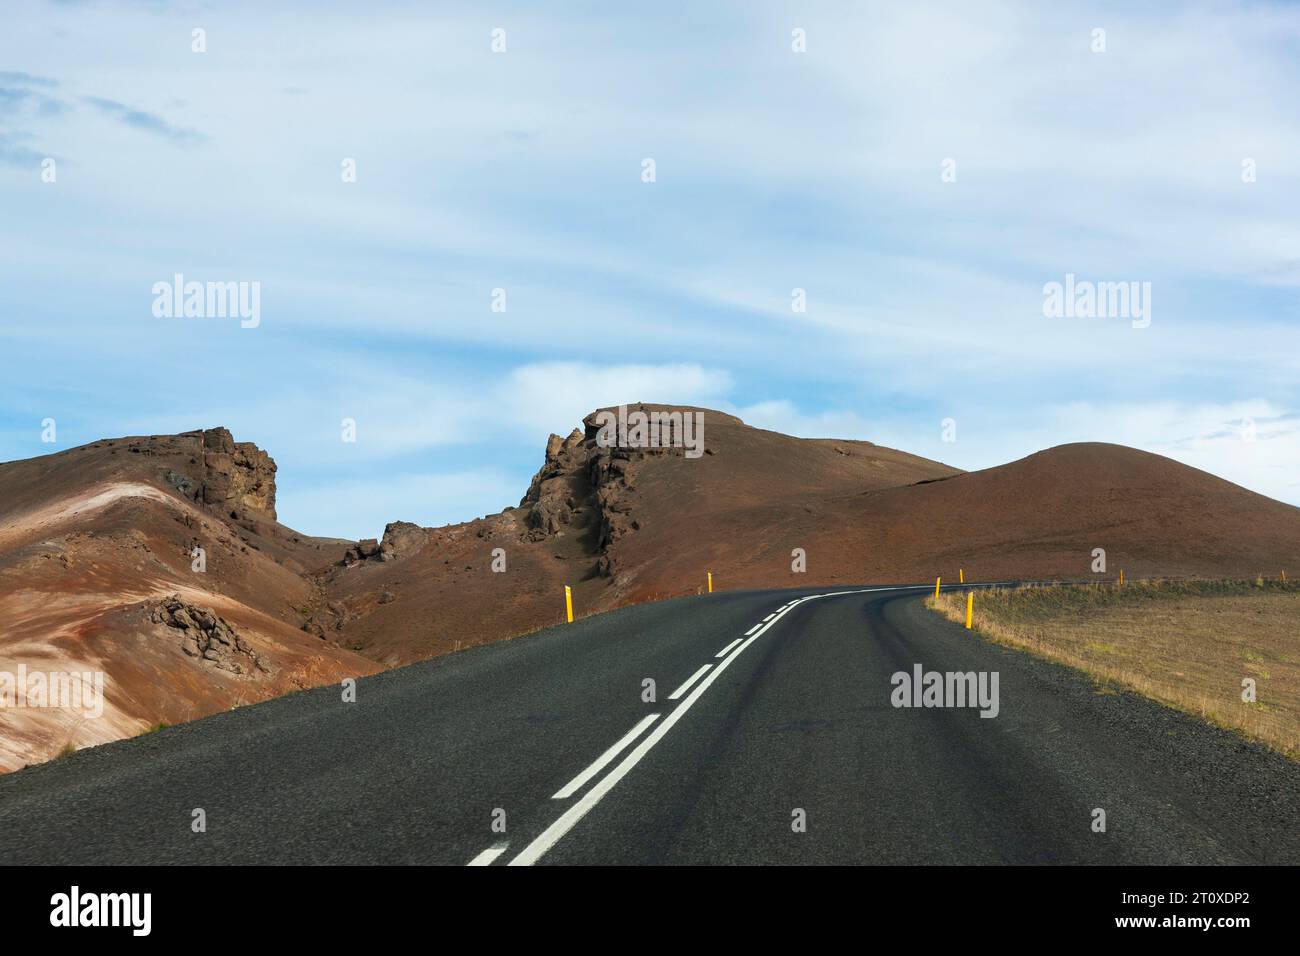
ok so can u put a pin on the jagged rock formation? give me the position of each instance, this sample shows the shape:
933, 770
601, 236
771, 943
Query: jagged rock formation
208, 637
236, 477
561, 488
582, 490
582, 486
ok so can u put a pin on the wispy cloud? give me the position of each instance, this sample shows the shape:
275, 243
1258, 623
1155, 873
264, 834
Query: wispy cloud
27, 79
17, 100
143, 120
15, 152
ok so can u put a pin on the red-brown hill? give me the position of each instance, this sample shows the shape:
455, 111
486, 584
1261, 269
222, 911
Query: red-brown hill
97, 543
98, 575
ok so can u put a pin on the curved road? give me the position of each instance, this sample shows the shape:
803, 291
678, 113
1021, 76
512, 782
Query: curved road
786, 749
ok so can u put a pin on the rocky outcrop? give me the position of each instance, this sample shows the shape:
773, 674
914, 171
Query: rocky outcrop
558, 492
364, 550
237, 476
583, 487
205, 636
401, 540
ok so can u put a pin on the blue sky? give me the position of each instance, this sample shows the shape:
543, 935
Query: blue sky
521, 170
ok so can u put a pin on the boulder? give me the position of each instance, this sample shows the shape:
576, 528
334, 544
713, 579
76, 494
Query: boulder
401, 540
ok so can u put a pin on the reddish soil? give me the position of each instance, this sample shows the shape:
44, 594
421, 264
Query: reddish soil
92, 538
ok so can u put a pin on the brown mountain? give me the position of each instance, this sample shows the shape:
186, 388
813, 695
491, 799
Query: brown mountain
96, 548
97, 559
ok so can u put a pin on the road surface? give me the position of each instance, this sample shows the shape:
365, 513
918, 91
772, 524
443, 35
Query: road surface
771, 738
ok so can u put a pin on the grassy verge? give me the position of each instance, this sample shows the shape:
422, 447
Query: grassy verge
1188, 644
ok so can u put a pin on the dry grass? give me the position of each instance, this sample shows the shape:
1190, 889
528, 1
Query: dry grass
1188, 644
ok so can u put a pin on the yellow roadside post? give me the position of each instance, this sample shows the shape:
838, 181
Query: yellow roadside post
1283, 575
936, 588
970, 607
568, 603
961, 575
1121, 577
710, 574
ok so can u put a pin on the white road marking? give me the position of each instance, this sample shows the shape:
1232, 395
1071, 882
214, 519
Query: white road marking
770, 616
723, 652
576, 784
689, 681
552, 834
487, 856
754, 628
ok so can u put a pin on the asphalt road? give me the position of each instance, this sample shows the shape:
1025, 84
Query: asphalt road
792, 724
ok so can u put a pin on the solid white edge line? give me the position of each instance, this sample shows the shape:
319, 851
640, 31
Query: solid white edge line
580, 780
689, 681
487, 856
723, 652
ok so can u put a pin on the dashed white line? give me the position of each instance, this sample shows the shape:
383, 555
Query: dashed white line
689, 681
552, 834
723, 652
535, 850
754, 628
576, 784
487, 856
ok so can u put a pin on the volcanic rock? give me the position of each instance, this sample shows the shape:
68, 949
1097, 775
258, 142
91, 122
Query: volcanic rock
208, 637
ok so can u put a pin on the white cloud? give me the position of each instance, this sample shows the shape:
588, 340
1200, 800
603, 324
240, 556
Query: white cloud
545, 396
783, 416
